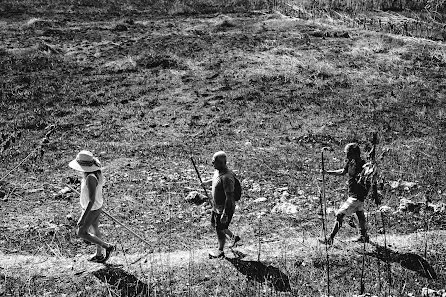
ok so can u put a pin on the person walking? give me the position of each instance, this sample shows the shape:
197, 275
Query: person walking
91, 202
223, 203
356, 193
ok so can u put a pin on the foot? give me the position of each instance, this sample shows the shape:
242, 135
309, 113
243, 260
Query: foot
235, 241
108, 252
326, 241
362, 238
97, 258
216, 254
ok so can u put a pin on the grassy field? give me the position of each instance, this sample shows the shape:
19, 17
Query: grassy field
146, 85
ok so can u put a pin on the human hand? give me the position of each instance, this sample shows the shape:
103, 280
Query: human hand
224, 218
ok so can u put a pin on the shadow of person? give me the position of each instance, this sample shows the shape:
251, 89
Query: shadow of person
124, 282
409, 261
257, 271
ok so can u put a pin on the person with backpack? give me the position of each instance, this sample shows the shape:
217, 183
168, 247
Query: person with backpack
91, 202
225, 188
356, 193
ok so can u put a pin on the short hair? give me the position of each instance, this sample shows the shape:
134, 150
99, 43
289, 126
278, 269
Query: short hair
352, 149
221, 155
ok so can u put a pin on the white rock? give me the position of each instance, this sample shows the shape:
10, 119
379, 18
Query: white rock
300, 192
285, 208
426, 292
260, 200
64, 191
385, 208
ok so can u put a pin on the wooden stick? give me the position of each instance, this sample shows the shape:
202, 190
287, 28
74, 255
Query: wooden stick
199, 177
118, 222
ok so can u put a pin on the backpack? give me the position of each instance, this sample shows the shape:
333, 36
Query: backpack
368, 179
237, 189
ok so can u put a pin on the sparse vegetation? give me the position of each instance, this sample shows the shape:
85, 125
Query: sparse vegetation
147, 84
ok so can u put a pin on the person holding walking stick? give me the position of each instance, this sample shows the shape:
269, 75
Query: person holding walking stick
91, 202
223, 202
356, 193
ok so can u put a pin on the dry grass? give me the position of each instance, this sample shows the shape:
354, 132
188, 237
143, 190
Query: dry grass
258, 89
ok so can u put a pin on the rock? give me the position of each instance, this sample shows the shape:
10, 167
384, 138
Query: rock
300, 192
260, 200
426, 292
402, 184
63, 194
385, 208
409, 205
285, 208
437, 208
34, 190
64, 190
195, 198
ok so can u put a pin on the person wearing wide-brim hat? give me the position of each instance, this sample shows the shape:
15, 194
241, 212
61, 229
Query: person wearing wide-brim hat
91, 201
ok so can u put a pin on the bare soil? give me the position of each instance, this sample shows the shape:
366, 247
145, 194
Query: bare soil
146, 92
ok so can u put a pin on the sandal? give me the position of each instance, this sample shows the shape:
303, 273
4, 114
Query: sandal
108, 252
97, 258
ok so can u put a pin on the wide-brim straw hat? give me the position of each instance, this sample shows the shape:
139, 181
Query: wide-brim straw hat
85, 162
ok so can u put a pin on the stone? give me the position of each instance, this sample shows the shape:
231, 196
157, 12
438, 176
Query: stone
285, 208
195, 198
260, 200
409, 205
385, 208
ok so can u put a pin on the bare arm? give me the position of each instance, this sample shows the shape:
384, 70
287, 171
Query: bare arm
336, 172
229, 202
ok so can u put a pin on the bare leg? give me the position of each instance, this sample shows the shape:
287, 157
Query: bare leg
362, 222
83, 233
97, 233
228, 233
221, 239
337, 225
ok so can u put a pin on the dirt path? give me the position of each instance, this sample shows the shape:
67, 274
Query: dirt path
295, 248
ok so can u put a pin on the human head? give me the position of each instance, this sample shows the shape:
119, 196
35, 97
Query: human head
219, 160
352, 150
85, 162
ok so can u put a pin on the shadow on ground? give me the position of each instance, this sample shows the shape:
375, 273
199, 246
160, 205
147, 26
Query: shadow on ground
125, 284
257, 271
409, 261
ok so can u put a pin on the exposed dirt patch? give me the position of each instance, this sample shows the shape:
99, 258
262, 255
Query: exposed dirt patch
145, 93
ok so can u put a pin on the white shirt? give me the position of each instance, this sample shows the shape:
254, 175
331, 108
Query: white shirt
85, 196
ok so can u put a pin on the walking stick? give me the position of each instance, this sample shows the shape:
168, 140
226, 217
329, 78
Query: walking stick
199, 177
324, 215
116, 221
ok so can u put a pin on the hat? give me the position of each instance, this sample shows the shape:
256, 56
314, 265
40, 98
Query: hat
85, 162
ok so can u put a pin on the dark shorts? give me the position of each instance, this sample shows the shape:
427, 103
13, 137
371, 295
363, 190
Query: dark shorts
215, 221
